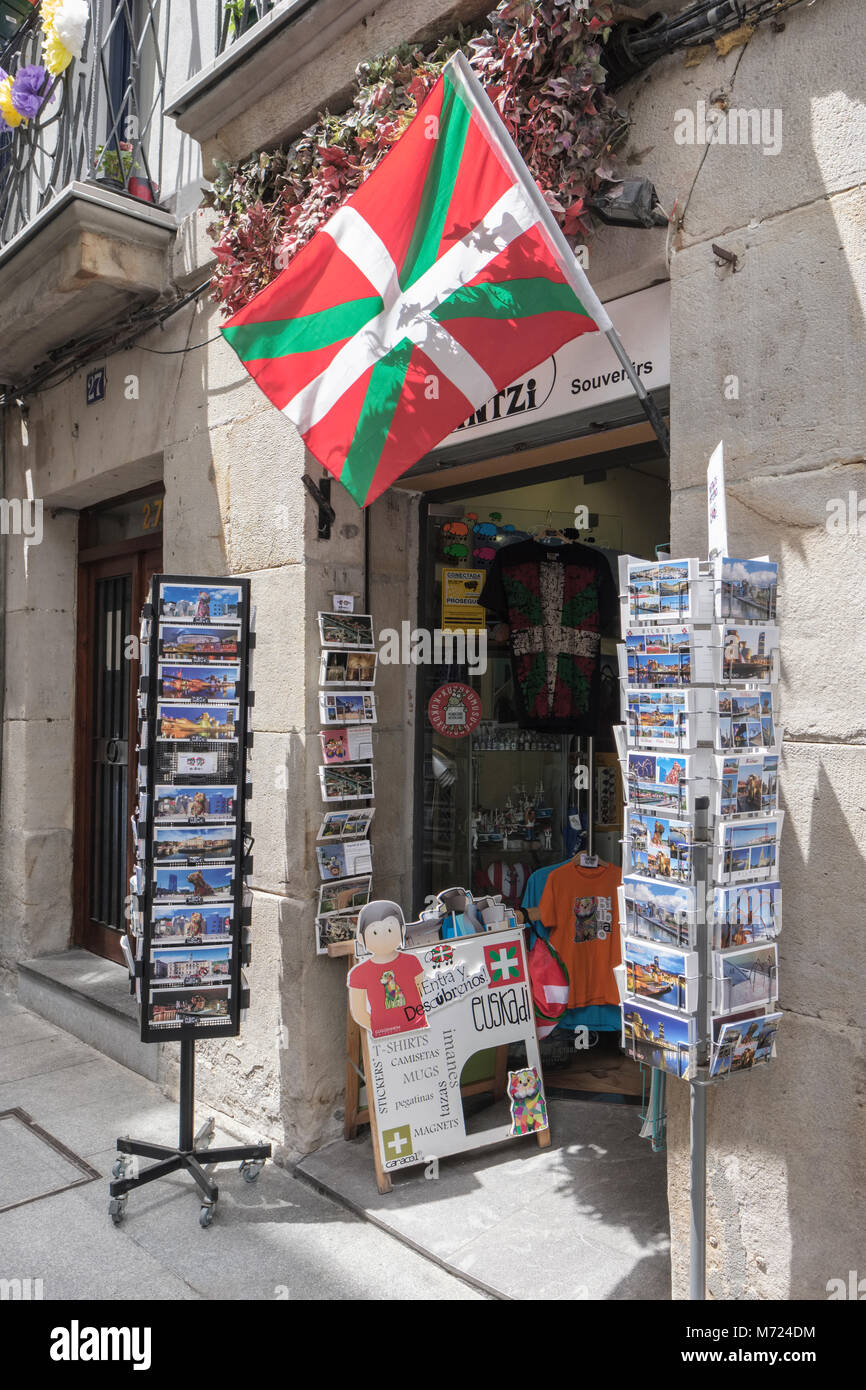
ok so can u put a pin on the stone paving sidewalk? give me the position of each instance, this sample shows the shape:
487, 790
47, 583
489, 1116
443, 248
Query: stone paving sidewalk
274, 1238
583, 1219
586, 1218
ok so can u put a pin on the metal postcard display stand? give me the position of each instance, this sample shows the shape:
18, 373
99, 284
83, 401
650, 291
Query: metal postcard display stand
190, 922
700, 902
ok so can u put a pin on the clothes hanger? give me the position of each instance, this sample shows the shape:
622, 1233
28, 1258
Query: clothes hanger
549, 535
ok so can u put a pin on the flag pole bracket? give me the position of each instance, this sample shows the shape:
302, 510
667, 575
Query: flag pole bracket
321, 495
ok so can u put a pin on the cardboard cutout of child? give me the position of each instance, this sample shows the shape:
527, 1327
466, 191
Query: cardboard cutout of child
384, 989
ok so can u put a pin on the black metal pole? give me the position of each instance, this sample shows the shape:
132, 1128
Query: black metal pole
187, 1094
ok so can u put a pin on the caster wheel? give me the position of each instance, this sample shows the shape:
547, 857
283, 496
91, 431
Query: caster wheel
117, 1209
119, 1167
205, 1217
250, 1169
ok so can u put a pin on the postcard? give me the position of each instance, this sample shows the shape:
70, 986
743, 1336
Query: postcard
746, 913
199, 683
199, 885
660, 591
207, 1005
215, 764
657, 717
197, 644
747, 785
747, 849
347, 745
745, 720
747, 653
344, 895
347, 668
345, 825
745, 1044
177, 925
346, 630
658, 910
657, 657
663, 1040
659, 846
333, 930
744, 978
205, 603
184, 722
661, 781
661, 974
344, 859
340, 707
193, 804
189, 965
354, 782
746, 589
195, 844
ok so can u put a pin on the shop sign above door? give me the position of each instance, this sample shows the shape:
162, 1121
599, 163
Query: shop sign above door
584, 374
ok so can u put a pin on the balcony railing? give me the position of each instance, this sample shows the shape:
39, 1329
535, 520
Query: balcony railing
99, 121
235, 17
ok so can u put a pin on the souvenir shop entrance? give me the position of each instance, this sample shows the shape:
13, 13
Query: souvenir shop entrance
523, 782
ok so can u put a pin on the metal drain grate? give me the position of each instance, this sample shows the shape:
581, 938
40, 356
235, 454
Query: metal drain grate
33, 1164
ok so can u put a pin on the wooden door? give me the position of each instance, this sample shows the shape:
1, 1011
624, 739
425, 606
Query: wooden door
112, 582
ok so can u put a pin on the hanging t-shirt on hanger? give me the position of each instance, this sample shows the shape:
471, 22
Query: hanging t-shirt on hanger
556, 600
579, 907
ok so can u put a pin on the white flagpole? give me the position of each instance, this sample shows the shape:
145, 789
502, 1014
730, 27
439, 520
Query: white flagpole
465, 78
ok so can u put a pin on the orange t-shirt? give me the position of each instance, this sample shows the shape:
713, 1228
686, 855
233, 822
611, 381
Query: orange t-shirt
579, 908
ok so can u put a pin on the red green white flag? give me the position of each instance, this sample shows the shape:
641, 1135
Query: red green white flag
442, 279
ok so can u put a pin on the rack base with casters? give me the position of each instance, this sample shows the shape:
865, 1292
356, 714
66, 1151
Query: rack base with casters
191, 1153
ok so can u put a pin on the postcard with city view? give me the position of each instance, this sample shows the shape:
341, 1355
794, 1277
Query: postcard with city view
659, 781
174, 924
659, 910
746, 589
658, 657
194, 844
198, 683
747, 785
197, 721
661, 591
346, 630
660, 974
747, 849
207, 603
188, 803
748, 653
197, 644
658, 1039
746, 913
743, 979
660, 846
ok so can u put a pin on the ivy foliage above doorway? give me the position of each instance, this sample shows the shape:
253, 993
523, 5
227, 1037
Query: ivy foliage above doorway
540, 62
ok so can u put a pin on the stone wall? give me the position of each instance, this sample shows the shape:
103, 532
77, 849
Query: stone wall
786, 1145
788, 324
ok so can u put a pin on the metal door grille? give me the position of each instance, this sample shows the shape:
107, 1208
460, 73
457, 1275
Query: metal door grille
108, 828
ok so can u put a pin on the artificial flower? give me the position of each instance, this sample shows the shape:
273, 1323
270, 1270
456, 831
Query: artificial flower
63, 26
9, 117
28, 87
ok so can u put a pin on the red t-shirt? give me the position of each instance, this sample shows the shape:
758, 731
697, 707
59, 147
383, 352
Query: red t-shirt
392, 994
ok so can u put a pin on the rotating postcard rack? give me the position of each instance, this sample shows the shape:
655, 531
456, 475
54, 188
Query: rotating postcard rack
189, 913
700, 901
